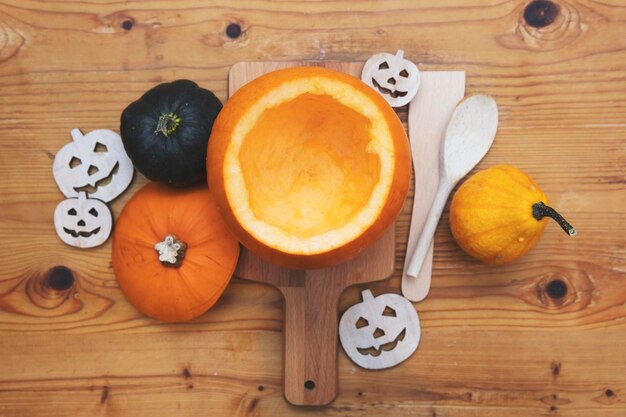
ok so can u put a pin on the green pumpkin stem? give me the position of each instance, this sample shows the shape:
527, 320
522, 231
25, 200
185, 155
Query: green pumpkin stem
171, 251
540, 211
167, 124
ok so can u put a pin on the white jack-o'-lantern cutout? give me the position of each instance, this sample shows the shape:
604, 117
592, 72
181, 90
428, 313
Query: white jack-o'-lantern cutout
83, 222
95, 163
381, 331
394, 77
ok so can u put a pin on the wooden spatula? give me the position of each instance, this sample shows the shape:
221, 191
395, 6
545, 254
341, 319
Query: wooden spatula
429, 113
311, 297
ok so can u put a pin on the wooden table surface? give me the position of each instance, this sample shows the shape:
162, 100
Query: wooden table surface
543, 336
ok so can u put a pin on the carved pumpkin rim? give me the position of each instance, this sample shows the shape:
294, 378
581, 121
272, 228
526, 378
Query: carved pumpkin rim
244, 119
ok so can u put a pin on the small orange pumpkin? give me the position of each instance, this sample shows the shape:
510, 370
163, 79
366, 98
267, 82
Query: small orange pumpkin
172, 253
309, 166
498, 215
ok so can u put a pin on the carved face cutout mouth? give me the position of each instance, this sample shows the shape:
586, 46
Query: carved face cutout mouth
392, 93
75, 233
90, 189
383, 348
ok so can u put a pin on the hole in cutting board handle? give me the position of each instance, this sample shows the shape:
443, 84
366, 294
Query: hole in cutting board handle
309, 385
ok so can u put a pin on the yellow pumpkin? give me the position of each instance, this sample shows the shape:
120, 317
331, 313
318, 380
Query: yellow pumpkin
308, 166
499, 213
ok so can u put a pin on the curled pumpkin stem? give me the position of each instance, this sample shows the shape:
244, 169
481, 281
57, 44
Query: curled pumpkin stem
171, 251
540, 211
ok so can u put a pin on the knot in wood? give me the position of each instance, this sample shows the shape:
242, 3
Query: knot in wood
544, 25
541, 13
10, 41
59, 278
233, 31
128, 24
556, 289
51, 293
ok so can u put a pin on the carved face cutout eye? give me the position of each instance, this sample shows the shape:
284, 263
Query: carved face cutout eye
389, 312
93, 212
100, 147
361, 322
71, 212
404, 73
75, 162
383, 66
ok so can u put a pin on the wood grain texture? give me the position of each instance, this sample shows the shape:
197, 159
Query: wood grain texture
543, 336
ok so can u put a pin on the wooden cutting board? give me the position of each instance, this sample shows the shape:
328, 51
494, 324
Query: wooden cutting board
311, 297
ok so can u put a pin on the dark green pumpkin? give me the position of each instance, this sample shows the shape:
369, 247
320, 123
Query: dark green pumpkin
166, 131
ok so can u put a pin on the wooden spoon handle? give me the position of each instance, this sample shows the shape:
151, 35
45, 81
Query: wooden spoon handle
416, 289
310, 332
429, 227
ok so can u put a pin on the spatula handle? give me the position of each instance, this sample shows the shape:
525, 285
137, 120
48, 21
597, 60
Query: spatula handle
430, 226
310, 332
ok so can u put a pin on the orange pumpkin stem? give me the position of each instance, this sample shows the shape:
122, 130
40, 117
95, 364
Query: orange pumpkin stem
540, 211
171, 251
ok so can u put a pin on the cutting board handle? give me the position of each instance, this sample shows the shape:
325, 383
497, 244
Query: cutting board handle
310, 331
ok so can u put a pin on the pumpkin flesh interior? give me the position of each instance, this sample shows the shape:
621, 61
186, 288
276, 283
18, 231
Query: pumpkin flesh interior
306, 165
309, 165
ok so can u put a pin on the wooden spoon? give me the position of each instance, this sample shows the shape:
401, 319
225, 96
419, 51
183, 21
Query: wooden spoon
469, 136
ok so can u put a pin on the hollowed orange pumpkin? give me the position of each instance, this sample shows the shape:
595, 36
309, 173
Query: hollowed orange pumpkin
173, 255
308, 166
